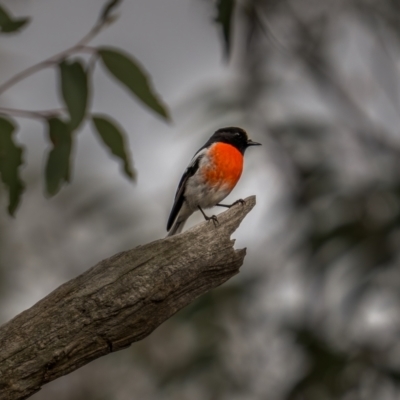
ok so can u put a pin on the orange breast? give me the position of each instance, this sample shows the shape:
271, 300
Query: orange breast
226, 166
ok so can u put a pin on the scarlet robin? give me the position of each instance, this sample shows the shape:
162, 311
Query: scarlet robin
211, 175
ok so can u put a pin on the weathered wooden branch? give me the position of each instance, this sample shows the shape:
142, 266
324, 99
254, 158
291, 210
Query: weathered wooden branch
115, 303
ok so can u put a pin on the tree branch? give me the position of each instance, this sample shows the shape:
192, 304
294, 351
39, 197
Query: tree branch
118, 301
80, 46
40, 114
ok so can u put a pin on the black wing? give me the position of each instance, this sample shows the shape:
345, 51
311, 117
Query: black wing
179, 196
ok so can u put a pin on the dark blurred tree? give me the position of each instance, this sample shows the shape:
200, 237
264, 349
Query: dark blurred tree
342, 171
320, 80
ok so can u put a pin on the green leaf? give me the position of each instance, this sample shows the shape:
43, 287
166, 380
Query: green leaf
108, 8
74, 89
8, 24
10, 161
225, 12
134, 77
58, 161
113, 137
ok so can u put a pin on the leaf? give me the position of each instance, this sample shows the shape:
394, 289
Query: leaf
74, 89
134, 77
57, 165
108, 8
8, 24
113, 137
10, 161
225, 12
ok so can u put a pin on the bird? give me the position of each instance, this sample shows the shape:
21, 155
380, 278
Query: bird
210, 176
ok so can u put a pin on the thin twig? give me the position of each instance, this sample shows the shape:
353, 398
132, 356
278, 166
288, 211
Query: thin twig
23, 74
80, 46
93, 32
43, 114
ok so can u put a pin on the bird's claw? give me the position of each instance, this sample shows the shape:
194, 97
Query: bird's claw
214, 220
241, 201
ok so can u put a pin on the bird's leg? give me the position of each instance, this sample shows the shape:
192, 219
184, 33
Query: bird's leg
241, 201
213, 217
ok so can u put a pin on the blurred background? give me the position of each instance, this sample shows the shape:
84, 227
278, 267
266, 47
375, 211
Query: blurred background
315, 312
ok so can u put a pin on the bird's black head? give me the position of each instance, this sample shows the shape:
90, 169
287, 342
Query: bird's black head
234, 136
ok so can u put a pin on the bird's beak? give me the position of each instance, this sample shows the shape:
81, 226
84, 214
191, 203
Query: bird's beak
251, 143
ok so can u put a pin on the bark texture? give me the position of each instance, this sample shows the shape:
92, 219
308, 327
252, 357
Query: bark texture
118, 301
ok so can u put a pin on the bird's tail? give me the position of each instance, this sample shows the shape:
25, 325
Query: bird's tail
177, 226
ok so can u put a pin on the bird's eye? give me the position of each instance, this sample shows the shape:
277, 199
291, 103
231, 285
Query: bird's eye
237, 133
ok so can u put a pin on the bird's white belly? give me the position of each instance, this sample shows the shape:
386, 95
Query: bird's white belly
197, 193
